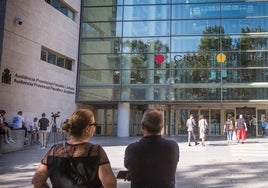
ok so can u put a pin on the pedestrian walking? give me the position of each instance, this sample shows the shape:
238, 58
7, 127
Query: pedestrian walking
229, 128
190, 124
241, 128
202, 124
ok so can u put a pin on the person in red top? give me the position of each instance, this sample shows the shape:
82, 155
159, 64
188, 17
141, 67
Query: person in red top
241, 128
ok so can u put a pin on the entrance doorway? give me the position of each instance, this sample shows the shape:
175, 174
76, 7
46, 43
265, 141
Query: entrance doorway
247, 113
213, 117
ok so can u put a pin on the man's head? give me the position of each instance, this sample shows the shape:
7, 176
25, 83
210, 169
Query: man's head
43, 115
20, 113
240, 116
152, 121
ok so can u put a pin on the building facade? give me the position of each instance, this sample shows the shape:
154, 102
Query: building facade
201, 57
119, 57
38, 62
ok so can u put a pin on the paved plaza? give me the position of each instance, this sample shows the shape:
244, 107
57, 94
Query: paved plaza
216, 165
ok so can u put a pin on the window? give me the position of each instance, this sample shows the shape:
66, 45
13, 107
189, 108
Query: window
51, 58
64, 9
56, 59
68, 64
43, 55
60, 61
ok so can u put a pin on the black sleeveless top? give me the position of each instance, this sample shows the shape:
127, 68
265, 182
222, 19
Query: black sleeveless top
86, 158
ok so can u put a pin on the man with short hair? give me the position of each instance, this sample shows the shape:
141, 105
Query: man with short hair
43, 123
190, 124
19, 123
152, 161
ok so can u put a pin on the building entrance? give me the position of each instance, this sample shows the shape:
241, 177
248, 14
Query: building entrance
213, 117
248, 114
175, 118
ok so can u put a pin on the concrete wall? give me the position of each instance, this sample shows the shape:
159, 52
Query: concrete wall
37, 86
18, 137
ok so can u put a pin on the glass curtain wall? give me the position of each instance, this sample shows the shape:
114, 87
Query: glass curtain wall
173, 51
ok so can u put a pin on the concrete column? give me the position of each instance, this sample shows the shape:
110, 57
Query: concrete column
123, 119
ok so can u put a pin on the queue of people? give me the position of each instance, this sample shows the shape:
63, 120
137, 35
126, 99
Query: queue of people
37, 128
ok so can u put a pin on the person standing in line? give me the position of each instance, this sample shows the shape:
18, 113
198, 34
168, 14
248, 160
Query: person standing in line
43, 124
77, 162
5, 130
152, 161
241, 128
19, 123
190, 124
228, 128
202, 123
33, 130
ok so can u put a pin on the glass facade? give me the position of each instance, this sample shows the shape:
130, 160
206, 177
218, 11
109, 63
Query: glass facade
168, 51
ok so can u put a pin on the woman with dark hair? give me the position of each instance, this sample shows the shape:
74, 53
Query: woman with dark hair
77, 162
229, 128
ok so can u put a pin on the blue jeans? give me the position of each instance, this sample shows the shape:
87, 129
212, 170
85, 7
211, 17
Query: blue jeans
229, 135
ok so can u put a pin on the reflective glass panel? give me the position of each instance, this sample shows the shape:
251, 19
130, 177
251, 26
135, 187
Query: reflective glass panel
101, 29
237, 26
143, 2
195, 11
92, 14
98, 94
100, 77
102, 2
156, 12
245, 9
146, 28
103, 61
188, 44
146, 45
203, 1
145, 93
192, 27
196, 94
97, 46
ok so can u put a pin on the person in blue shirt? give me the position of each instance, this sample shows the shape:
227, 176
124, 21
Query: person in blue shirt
19, 123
